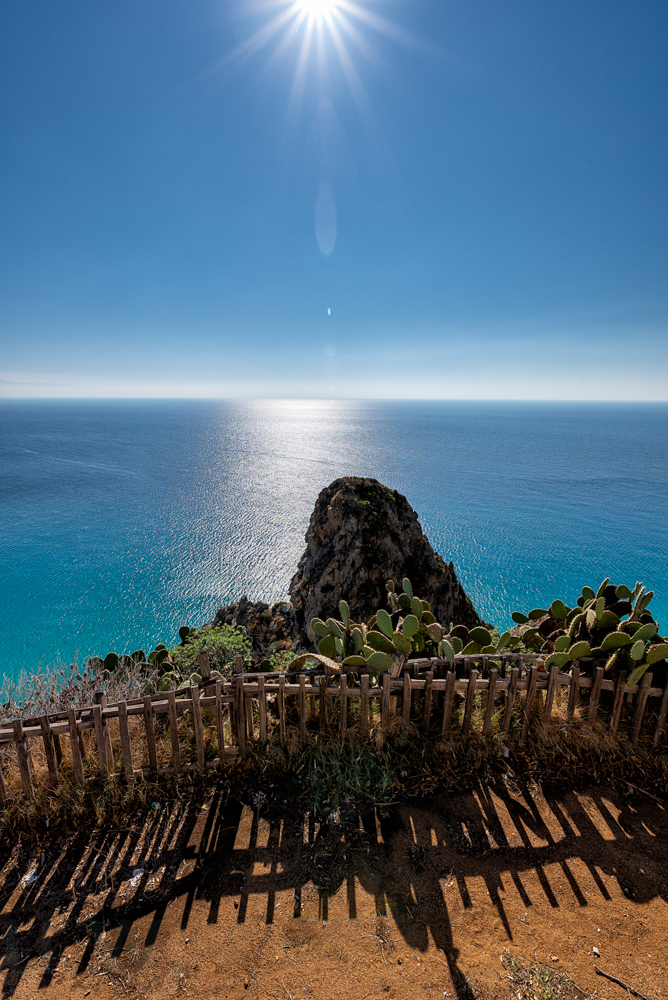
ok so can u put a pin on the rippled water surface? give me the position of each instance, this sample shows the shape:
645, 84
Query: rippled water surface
122, 520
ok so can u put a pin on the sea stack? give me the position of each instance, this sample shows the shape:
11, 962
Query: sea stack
362, 534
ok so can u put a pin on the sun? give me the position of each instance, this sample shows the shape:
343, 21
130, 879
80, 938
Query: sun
317, 9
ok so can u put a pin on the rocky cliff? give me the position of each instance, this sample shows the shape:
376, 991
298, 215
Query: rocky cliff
361, 534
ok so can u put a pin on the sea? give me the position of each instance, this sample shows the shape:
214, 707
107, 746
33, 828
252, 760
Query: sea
122, 520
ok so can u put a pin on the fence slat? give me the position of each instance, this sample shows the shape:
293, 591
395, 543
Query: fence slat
23, 755
645, 685
4, 797
364, 705
220, 728
619, 701
552, 685
58, 750
406, 706
426, 714
385, 705
174, 731
262, 709
240, 707
77, 761
149, 726
197, 727
491, 694
663, 711
574, 693
343, 716
595, 696
47, 739
528, 704
281, 710
100, 739
302, 708
470, 695
448, 701
322, 705
126, 742
510, 699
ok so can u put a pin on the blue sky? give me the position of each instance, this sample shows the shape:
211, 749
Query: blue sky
430, 198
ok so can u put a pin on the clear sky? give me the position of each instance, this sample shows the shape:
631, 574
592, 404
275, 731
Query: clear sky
378, 198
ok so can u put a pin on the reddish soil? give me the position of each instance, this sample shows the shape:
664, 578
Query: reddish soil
411, 900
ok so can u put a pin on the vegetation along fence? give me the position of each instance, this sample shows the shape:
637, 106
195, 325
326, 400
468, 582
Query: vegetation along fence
212, 724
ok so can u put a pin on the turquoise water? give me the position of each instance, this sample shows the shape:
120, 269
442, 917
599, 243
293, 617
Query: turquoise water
122, 520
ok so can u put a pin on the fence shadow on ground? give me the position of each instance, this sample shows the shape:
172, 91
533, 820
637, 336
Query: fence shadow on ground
403, 858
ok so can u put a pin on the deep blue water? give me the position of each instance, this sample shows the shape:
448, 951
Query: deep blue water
122, 520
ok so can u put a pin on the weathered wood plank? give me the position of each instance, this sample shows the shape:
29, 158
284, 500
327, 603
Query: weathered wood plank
470, 696
343, 716
238, 664
47, 739
406, 705
23, 754
489, 709
574, 693
4, 796
364, 705
645, 685
448, 701
174, 731
385, 705
262, 709
77, 762
220, 725
426, 714
197, 728
595, 696
149, 726
58, 750
620, 691
661, 723
528, 704
281, 710
322, 706
302, 708
100, 739
126, 742
552, 687
240, 706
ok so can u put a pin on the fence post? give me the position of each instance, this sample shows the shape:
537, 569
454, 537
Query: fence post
281, 709
406, 706
302, 708
100, 739
126, 743
448, 701
219, 725
528, 704
240, 705
510, 698
426, 714
619, 699
385, 704
549, 697
470, 696
595, 696
343, 714
645, 685
491, 694
364, 705
150, 733
197, 727
174, 731
23, 755
662, 716
262, 709
48, 749
77, 761
574, 693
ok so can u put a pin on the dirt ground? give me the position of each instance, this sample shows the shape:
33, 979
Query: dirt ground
215, 900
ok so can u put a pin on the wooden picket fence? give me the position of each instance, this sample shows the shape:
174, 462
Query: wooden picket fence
254, 706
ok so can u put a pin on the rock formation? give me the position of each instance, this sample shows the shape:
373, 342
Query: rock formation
270, 628
362, 534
